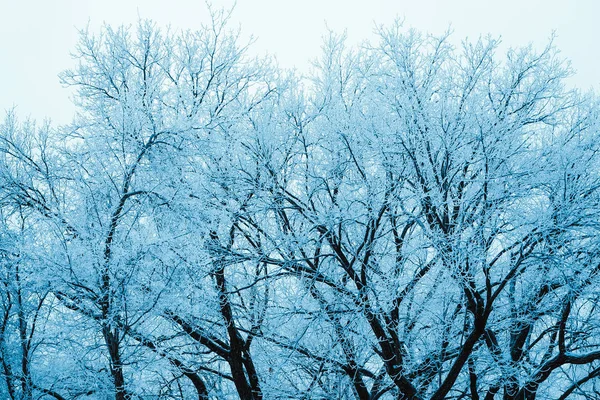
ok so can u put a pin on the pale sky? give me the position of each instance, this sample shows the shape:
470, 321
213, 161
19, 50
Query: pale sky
36, 37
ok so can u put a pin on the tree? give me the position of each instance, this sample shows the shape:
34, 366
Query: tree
142, 100
415, 220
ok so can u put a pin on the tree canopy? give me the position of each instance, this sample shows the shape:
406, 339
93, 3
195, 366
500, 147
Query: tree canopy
414, 220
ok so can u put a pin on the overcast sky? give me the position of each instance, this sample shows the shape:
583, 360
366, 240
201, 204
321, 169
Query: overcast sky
36, 37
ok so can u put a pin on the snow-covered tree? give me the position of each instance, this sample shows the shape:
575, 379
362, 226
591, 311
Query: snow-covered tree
415, 220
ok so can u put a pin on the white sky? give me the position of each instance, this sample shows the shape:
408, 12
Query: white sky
36, 37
